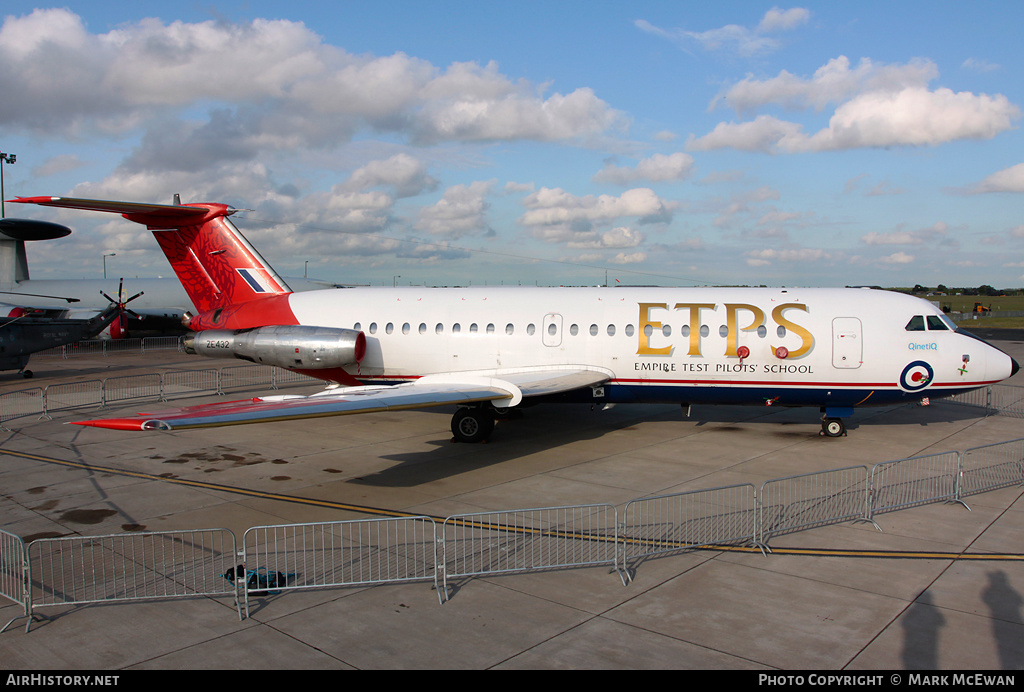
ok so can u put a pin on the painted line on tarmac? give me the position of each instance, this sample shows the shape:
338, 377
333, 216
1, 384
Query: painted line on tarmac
378, 511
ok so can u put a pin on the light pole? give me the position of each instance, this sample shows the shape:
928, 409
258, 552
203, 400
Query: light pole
394, 281
4, 158
112, 254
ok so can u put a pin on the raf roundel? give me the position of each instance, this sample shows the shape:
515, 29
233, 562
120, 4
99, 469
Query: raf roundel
916, 376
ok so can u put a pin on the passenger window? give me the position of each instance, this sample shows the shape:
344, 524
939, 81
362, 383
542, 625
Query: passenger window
916, 324
611, 330
357, 326
574, 329
935, 323
629, 330
509, 329
530, 329
423, 328
472, 328
490, 329
390, 328
373, 327
439, 329
456, 328
405, 328
593, 330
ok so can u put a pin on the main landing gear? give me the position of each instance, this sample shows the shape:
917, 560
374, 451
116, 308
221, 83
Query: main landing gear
473, 424
833, 427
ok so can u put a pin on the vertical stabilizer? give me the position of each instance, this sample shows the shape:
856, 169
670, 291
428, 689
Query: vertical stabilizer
214, 262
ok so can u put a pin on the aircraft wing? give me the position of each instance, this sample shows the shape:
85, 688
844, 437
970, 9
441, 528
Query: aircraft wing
503, 390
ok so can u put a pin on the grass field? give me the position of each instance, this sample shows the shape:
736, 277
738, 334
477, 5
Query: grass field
991, 320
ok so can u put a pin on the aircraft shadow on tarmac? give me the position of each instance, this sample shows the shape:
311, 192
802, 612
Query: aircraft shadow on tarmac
551, 426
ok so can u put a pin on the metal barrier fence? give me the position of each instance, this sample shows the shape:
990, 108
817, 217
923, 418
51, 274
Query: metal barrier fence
130, 567
672, 523
14, 575
541, 538
339, 553
1003, 399
915, 481
177, 564
107, 347
992, 466
813, 499
152, 387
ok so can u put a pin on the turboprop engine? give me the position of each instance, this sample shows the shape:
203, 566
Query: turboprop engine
294, 347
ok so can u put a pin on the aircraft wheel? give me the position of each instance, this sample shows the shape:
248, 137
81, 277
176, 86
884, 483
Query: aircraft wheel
472, 424
26, 374
833, 427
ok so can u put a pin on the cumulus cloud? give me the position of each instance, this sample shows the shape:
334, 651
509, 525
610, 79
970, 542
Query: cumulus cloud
554, 206
734, 38
556, 216
656, 169
933, 234
875, 106
461, 211
286, 87
761, 257
897, 258
1007, 180
406, 175
622, 237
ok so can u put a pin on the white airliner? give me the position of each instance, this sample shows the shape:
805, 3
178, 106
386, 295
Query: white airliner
492, 349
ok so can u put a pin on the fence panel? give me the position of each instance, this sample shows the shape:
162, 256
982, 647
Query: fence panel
73, 395
160, 343
1008, 400
992, 466
186, 383
246, 377
915, 481
529, 539
670, 523
27, 402
14, 574
285, 378
813, 499
340, 553
131, 387
131, 567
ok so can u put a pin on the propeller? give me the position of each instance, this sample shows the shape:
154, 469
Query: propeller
122, 305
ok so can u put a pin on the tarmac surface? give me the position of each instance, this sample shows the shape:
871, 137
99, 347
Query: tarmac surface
702, 609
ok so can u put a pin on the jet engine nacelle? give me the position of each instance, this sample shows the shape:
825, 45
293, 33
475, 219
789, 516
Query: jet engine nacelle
294, 347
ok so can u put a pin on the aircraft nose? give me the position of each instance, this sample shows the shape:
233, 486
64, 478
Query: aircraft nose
1014, 367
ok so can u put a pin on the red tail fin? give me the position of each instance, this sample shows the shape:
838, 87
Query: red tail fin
214, 262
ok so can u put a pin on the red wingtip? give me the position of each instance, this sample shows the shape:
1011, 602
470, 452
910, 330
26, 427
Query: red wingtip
113, 423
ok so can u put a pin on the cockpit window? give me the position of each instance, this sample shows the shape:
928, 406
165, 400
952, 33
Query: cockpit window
916, 324
935, 323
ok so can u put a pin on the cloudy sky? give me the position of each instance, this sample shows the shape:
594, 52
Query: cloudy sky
439, 143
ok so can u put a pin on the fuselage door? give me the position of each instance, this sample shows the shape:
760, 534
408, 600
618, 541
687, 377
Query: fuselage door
552, 333
847, 342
